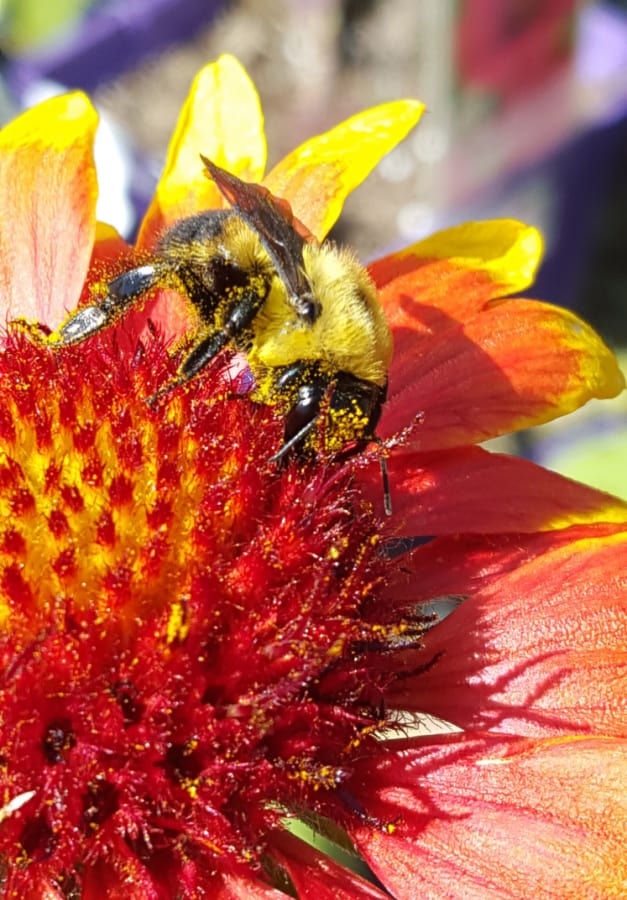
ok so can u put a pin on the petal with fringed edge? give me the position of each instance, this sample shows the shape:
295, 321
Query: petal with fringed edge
539, 644
48, 191
317, 876
318, 176
512, 364
483, 818
221, 119
469, 489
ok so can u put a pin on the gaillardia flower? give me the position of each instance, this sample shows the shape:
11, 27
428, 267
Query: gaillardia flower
205, 654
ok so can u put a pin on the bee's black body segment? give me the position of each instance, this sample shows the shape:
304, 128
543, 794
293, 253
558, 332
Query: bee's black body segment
209, 280
315, 385
257, 284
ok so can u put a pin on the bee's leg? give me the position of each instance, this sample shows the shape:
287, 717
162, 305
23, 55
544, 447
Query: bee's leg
294, 441
122, 292
239, 318
312, 386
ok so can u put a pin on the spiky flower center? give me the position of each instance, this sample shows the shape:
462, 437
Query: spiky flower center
185, 627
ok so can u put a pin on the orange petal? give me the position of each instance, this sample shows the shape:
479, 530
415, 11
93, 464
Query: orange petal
513, 364
451, 276
110, 255
222, 119
319, 175
502, 255
483, 818
539, 645
468, 489
48, 194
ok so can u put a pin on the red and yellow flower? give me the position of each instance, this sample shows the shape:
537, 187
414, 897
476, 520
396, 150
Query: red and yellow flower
200, 650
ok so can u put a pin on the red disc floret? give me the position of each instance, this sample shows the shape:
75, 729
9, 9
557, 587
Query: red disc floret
175, 610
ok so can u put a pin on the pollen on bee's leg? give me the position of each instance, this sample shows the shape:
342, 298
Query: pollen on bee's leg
82, 324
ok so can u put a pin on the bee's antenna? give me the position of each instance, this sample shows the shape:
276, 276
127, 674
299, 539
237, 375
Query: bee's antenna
385, 475
387, 445
385, 478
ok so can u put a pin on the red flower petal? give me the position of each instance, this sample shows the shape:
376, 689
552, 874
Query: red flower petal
512, 364
468, 489
481, 817
48, 199
540, 644
319, 877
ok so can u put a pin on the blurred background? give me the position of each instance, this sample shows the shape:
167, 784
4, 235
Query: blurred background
527, 118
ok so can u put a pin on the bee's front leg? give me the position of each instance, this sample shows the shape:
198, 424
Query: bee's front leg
122, 292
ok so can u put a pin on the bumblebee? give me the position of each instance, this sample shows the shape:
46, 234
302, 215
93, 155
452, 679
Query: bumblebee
306, 315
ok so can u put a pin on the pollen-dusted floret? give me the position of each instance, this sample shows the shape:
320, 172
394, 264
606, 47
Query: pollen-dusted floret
186, 629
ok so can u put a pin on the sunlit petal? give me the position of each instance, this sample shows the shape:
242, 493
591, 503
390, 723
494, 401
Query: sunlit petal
485, 818
221, 119
48, 194
319, 175
538, 645
500, 255
513, 364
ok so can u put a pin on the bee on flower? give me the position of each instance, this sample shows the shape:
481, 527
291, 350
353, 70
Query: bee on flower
207, 656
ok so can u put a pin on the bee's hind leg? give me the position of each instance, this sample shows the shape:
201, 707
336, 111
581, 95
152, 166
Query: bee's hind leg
239, 318
198, 357
122, 292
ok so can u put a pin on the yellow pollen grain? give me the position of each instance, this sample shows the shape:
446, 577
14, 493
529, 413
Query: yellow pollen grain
191, 787
337, 648
177, 628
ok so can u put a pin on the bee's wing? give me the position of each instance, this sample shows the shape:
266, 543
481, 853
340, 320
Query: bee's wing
282, 236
